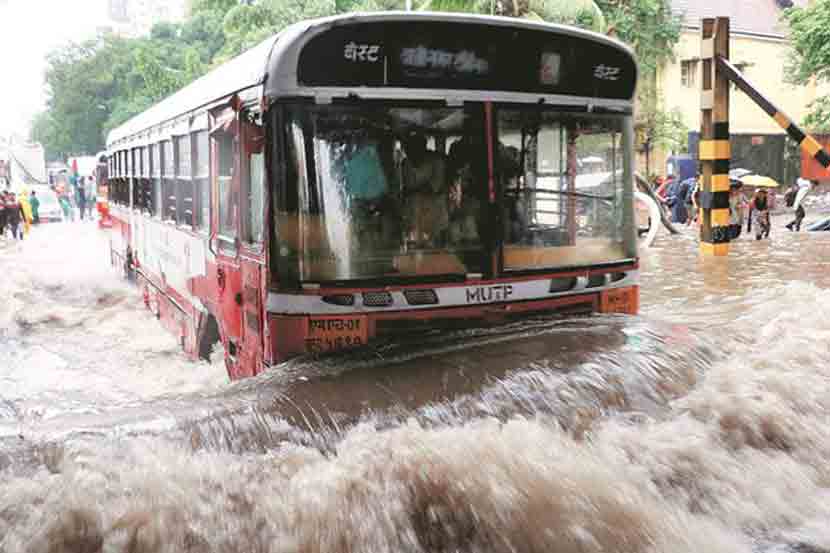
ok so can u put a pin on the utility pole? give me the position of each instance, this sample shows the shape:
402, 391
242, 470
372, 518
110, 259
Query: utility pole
714, 151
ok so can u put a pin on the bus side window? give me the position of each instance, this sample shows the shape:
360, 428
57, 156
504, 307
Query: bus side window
147, 188
184, 182
168, 181
201, 176
253, 182
155, 179
227, 198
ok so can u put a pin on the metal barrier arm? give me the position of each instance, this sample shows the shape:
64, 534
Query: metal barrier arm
804, 140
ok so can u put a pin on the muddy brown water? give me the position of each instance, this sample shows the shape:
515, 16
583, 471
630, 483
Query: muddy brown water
701, 424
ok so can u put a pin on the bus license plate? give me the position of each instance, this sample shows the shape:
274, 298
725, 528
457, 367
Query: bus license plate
332, 333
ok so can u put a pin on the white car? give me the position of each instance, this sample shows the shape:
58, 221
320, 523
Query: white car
50, 209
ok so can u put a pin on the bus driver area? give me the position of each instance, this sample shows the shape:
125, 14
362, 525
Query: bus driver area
405, 192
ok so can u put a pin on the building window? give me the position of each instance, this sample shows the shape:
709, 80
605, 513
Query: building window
688, 73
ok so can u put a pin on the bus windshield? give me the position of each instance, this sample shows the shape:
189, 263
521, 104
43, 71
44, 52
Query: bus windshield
382, 191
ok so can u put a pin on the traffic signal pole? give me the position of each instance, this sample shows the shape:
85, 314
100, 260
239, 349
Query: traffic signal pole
714, 150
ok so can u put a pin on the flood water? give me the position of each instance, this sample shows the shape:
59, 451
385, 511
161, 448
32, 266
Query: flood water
699, 425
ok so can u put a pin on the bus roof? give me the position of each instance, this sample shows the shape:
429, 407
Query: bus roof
278, 65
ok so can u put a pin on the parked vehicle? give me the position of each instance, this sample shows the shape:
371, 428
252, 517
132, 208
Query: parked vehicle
50, 209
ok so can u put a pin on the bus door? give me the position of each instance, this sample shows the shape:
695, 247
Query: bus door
252, 257
225, 243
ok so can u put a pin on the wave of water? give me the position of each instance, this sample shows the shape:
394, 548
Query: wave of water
75, 339
699, 426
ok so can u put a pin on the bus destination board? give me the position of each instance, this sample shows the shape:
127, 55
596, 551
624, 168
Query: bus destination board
466, 56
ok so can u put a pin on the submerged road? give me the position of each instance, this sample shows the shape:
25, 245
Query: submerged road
699, 425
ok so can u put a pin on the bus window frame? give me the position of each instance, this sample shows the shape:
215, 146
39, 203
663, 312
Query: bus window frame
135, 156
178, 140
167, 178
276, 164
494, 250
245, 152
626, 126
155, 179
146, 187
280, 107
201, 181
224, 122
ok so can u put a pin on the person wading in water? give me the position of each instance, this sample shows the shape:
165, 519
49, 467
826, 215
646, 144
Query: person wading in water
760, 214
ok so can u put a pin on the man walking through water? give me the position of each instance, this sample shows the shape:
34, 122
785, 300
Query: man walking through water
80, 196
2, 214
801, 189
35, 203
14, 214
760, 214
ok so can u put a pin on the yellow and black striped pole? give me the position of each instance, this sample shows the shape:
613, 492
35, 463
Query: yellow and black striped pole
804, 140
714, 150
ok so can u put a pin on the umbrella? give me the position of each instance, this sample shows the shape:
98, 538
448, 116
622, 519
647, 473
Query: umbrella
738, 173
759, 181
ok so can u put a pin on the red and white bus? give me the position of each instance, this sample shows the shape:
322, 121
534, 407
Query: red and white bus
362, 175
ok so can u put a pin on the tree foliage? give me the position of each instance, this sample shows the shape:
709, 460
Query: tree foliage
97, 85
810, 55
818, 117
648, 26
809, 42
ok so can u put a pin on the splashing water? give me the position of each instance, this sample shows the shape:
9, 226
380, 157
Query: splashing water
698, 426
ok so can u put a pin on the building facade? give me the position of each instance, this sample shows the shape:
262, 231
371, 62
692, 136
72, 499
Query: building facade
759, 48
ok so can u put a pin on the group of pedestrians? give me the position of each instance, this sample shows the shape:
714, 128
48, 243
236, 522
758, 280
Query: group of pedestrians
75, 195
19, 211
683, 199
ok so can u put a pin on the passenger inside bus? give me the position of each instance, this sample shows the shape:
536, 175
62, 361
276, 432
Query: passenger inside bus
470, 218
468, 192
424, 194
371, 205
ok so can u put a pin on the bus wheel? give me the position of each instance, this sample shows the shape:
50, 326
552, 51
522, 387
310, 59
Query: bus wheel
208, 337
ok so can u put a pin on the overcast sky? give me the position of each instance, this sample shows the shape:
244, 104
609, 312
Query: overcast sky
29, 29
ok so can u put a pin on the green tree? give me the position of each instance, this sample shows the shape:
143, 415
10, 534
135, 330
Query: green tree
97, 85
221, 6
81, 87
818, 117
652, 31
245, 26
809, 56
648, 26
585, 13
656, 126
